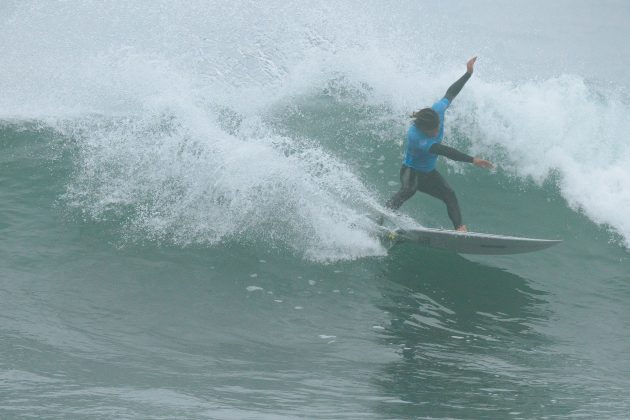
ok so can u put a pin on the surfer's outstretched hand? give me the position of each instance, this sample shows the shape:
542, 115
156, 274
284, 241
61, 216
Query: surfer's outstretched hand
482, 163
470, 65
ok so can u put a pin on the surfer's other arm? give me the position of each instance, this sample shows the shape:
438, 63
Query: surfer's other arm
454, 154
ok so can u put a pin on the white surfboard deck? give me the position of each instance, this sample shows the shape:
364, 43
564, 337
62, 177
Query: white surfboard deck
468, 242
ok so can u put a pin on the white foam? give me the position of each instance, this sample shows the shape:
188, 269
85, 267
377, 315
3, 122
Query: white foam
187, 181
559, 126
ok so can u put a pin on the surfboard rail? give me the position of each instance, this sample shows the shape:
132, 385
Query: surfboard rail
469, 242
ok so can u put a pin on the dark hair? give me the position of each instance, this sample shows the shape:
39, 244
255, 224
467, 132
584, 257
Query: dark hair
426, 119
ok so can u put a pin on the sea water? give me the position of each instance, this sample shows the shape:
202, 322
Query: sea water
184, 189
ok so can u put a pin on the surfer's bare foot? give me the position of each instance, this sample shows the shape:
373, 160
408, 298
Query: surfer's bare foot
462, 228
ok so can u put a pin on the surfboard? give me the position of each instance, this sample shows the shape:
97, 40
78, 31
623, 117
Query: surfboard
468, 242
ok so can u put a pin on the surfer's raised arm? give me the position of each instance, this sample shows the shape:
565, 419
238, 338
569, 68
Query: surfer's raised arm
449, 152
456, 87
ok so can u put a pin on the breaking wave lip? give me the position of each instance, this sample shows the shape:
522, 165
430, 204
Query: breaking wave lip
561, 128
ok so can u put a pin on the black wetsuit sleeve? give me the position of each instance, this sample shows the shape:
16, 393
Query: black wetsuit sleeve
456, 87
449, 152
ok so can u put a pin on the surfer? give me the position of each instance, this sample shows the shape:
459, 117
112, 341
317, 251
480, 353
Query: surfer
424, 145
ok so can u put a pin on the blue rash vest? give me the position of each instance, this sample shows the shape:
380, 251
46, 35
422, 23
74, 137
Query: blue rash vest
417, 155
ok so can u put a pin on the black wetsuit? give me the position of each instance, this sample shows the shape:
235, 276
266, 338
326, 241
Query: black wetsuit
432, 182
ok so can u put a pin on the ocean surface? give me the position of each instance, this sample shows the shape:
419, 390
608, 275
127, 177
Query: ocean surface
183, 197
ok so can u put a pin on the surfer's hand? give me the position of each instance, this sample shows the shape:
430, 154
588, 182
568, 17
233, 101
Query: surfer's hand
470, 65
482, 163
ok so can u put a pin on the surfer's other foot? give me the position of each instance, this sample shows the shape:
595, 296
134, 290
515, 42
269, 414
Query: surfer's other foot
462, 228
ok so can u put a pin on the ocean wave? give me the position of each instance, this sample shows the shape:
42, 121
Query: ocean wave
174, 115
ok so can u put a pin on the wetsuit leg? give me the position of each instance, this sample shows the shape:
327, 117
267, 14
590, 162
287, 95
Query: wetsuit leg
408, 188
435, 185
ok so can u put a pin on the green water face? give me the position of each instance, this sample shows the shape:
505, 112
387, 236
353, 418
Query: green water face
94, 324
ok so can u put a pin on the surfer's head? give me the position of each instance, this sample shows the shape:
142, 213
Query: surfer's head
427, 120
